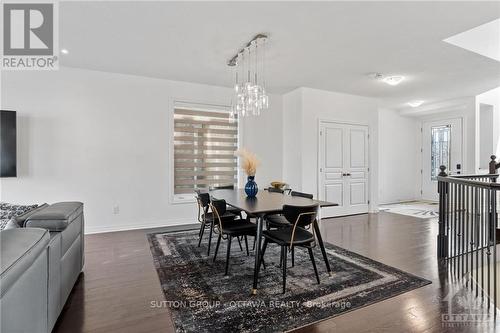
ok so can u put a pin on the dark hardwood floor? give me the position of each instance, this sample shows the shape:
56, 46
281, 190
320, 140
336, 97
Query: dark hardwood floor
119, 284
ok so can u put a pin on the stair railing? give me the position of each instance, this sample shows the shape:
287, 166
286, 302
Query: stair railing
468, 229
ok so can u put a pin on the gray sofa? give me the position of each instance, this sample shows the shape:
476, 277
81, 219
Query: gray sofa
39, 264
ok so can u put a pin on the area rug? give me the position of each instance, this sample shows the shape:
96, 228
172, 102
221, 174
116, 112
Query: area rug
202, 299
420, 209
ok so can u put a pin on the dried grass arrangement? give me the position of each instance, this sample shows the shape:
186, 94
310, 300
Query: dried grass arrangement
249, 161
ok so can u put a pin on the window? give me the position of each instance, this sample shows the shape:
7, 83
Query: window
440, 149
205, 140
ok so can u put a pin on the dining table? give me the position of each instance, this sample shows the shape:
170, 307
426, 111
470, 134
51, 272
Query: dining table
266, 203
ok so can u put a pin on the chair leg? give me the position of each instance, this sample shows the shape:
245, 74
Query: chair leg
253, 246
246, 245
293, 256
311, 255
228, 253
202, 231
283, 251
281, 259
210, 237
264, 247
217, 246
239, 242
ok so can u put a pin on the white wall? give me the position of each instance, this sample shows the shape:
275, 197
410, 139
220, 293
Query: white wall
492, 98
292, 138
103, 139
326, 105
399, 148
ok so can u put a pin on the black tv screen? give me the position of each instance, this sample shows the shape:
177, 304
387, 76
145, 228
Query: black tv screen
8, 158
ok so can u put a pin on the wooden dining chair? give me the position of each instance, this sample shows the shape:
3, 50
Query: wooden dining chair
294, 235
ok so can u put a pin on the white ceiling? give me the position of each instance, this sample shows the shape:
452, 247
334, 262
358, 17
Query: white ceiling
484, 39
323, 45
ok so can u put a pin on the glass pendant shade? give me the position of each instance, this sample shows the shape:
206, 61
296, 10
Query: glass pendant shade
249, 97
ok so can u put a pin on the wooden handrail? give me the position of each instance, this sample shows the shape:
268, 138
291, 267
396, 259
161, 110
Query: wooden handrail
465, 179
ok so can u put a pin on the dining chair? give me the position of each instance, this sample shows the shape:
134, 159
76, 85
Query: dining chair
228, 227
206, 218
230, 209
294, 235
277, 221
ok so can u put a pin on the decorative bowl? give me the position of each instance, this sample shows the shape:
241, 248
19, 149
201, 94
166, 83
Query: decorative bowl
278, 185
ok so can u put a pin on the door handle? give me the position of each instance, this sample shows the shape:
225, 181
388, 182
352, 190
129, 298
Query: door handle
345, 174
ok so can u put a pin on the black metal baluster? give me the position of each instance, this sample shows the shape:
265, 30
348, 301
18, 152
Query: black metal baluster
466, 232
476, 223
447, 219
471, 234
462, 232
495, 222
482, 226
441, 237
454, 229
488, 240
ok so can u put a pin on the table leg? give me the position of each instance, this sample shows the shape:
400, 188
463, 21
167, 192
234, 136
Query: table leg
258, 238
322, 246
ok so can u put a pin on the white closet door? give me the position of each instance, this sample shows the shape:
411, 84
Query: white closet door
344, 168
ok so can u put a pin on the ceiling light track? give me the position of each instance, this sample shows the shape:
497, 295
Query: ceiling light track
233, 61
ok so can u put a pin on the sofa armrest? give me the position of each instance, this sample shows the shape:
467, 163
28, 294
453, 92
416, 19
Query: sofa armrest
55, 217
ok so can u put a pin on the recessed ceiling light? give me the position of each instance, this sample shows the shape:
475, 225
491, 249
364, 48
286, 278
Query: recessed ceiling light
64, 51
415, 104
393, 80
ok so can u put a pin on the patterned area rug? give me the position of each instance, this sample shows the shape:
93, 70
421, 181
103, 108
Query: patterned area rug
202, 299
420, 209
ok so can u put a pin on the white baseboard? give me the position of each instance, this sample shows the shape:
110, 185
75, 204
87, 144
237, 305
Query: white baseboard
145, 225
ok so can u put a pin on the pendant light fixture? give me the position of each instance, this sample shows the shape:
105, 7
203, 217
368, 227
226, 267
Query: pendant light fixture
249, 95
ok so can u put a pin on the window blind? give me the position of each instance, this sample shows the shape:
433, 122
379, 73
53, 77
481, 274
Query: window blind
204, 147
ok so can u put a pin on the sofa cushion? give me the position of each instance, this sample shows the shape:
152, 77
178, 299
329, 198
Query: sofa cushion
18, 250
55, 217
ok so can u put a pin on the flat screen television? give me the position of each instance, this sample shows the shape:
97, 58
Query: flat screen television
8, 154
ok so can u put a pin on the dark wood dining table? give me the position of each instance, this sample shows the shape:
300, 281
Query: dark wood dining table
263, 204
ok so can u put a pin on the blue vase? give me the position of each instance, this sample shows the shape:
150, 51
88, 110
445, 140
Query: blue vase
251, 188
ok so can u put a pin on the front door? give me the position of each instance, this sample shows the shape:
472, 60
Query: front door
441, 145
343, 168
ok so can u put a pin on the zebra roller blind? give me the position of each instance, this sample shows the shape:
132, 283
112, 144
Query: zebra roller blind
204, 147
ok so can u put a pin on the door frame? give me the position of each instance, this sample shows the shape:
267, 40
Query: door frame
318, 153
463, 121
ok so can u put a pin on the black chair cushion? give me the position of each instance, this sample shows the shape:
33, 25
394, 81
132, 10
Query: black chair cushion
239, 227
277, 221
283, 236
